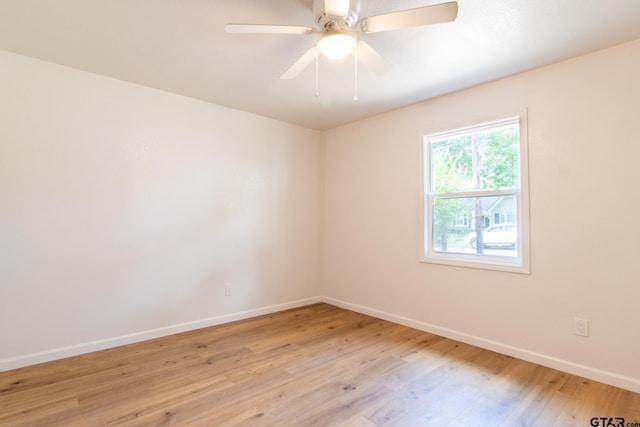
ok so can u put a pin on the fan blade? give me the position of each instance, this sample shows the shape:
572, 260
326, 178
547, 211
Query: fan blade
372, 59
336, 7
266, 29
300, 64
427, 15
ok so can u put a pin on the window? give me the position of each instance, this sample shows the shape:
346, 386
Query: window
475, 196
462, 219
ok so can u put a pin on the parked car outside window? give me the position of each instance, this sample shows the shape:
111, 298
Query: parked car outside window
498, 235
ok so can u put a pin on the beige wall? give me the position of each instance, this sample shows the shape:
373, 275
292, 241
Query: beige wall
125, 210
584, 145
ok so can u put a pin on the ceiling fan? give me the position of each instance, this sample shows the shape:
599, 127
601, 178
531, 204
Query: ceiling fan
338, 24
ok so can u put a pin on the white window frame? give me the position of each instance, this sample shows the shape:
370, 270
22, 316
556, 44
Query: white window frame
519, 264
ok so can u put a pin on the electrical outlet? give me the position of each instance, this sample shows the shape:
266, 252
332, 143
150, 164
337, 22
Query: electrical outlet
227, 289
581, 327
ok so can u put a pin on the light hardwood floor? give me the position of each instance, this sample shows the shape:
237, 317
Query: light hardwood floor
314, 366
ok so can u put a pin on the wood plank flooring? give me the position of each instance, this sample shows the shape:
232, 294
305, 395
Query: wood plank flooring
313, 366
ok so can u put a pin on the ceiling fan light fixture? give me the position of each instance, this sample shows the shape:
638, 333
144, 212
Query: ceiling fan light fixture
336, 46
337, 21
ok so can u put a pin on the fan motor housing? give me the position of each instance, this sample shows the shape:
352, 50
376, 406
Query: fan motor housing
331, 22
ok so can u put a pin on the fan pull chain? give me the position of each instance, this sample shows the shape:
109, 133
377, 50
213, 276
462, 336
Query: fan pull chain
355, 67
317, 91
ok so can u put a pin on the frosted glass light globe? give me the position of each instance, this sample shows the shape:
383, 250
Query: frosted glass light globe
336, 46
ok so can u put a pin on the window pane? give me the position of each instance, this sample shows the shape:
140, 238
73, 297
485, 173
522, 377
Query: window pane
483, 159
495, 238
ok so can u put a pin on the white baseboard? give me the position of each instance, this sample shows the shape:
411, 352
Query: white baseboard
595, 374
606, 377
75, 350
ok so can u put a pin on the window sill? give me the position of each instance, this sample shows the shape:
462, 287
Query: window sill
515, 265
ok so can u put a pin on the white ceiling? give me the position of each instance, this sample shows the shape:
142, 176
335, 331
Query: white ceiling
180, 46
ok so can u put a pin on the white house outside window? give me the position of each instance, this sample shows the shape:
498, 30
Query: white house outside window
475, 196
